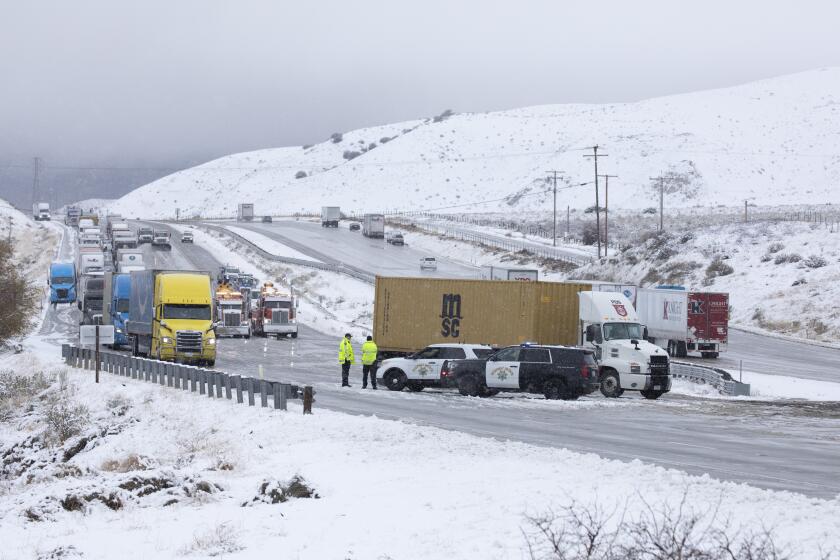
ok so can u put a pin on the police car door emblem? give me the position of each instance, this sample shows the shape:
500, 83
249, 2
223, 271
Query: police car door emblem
423, 369
502, 373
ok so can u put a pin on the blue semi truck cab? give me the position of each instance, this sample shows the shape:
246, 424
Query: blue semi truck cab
118, 296
62, 282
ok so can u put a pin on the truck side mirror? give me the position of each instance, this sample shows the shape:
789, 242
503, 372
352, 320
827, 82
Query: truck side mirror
590, 333
645, 334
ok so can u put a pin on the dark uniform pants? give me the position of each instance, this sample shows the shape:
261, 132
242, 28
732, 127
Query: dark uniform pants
369, 369
345, 374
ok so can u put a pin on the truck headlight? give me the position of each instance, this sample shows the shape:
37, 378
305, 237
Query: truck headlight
166, 340
211, 342
118, 331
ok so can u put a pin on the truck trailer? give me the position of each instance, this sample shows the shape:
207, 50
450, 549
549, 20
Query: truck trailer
412, 313
330, 215
683, 321
373, 225
171, 316
245, 212
505, 273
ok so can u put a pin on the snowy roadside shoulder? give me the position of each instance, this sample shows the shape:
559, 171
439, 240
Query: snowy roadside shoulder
330, 302
767, 387
269, 245
154, 472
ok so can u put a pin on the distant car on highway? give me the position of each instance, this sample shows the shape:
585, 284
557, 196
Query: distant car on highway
355, 226
428, 263
266, 219
187, 237
395, 238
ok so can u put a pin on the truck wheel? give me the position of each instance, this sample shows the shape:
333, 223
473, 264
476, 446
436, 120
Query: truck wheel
682, 350
468, 386
211, 363
415, 386
652, 395
672, 348
394, 379
294, 335
610, 385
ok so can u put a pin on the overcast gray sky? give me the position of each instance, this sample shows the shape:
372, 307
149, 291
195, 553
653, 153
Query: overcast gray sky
167, 83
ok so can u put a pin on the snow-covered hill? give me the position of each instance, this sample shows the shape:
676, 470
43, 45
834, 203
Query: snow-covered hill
775, 141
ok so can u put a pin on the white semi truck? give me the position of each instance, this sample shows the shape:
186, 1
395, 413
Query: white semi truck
41, 211
330, 216
373, 225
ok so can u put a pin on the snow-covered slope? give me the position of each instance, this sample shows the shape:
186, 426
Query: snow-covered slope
775, 141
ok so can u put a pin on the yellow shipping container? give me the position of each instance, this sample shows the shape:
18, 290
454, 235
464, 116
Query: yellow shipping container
411, 313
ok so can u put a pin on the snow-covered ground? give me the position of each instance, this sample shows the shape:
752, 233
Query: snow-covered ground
752, 141
269, 245
765, 387
162, 473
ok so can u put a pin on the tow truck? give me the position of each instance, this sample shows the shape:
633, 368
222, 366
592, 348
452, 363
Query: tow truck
232, 312
274, 313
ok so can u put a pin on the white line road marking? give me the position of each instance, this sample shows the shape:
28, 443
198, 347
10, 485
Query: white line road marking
691, 445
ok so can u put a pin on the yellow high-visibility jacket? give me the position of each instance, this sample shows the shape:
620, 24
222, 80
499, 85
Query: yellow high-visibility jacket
369, 350
345, 352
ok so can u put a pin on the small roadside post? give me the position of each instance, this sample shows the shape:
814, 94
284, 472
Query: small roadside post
94, 335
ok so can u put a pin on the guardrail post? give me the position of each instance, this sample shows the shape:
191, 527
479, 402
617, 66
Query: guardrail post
170, 374
237, 383
263, 393
211, 383
250, 384
193, 381
307, 399
219, 385
144, 371
147, 365
202, 380
226, 383
276, 389
85, 360
161, 368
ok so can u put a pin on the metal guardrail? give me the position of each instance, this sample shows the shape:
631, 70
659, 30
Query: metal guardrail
718, 378
339, 268
211, 382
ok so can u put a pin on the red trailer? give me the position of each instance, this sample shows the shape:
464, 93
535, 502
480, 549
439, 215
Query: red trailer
682, 321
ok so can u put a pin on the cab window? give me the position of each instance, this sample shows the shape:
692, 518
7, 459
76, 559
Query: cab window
482, 353
507, 354
427, 353
536, 355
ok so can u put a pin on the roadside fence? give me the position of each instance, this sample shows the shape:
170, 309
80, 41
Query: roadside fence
213, 383
718, 378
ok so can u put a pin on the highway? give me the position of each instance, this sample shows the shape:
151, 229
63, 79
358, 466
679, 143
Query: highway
780, 445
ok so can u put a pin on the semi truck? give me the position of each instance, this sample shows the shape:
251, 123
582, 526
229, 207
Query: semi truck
41, 211
62, 283
274, 313
171, 316
117, 292
373, 225
128, 257
683, 321
330, 215
91, 261
71, 216
506, 273
161, 239
90, 304
245, 212
233, 312
412, 313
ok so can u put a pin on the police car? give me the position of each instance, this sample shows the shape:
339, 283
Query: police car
558, 372
423, 368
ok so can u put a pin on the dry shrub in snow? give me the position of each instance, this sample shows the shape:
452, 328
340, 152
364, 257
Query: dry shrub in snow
118, 405
775, 248
815, 261
718, 268
782, 258
276, 492
129, 463
216, 541
669, 532
17, 390
64, 419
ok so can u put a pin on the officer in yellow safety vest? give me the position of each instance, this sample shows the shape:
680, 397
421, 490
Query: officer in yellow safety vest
346, 359
369, 351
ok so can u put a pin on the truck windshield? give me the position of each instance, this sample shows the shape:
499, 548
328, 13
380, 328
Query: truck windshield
122, 305
186, 311
622, 331
62, 280
278, 304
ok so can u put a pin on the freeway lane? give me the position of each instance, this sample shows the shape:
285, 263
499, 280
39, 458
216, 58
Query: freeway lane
340, 245
790, 446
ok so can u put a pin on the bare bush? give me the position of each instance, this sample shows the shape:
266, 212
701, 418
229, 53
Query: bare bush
718, 268
669, 532
300, 175
64, 420
783, 258
118, 405
15, 390
216, 541
336, 137
775, 248
815, 261
351, 154
650, 210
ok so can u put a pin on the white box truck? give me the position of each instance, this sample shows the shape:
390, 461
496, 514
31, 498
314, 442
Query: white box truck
373, 225
245, 212
41, 211
330, 215
503, 273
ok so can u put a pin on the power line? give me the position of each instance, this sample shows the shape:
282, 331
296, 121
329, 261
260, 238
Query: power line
594, 157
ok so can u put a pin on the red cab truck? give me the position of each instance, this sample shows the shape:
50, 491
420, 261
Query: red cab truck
682, 321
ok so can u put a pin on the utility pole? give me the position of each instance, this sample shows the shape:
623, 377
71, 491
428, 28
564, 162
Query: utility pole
607, 211
36, 168
661, 180
568, 219
554, 239
595, 155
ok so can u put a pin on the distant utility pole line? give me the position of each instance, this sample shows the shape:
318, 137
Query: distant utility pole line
554, 234
661, 181
595, 155
607, 211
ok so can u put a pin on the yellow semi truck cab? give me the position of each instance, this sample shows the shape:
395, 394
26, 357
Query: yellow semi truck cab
171, 316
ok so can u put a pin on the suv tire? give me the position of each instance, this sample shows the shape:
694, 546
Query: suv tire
652, 395
468, 386
394, 379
